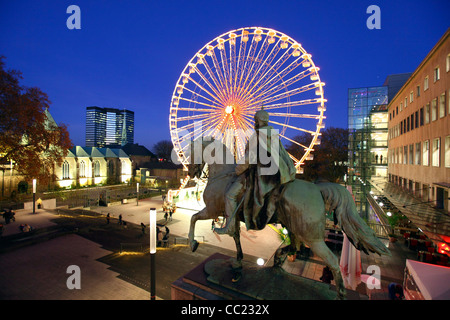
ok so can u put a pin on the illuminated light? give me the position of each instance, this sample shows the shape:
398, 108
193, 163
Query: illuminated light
271, 33
260, 261
258, 38
185, 79
375, 197
200, 58
318, 92
233, 38
444, 248
380, 204
220, 46
271, 40
296, 53
229, 109
244, 35
180, 90
152, 230
389, 213
191, 68
314, 77
283, 45
306, 64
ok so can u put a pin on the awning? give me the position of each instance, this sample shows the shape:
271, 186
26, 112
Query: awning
432, 280
435, 223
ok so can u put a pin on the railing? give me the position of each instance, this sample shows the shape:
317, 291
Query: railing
381, 230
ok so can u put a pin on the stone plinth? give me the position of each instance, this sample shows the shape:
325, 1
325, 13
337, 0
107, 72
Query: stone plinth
211, 280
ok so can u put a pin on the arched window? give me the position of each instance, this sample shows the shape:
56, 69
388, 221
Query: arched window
124, 167
96, 168
82, 169
65, 170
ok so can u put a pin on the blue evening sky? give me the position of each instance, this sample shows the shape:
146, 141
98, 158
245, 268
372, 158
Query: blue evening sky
130, 54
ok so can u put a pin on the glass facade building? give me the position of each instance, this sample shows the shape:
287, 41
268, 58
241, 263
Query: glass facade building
108, 127
368, 137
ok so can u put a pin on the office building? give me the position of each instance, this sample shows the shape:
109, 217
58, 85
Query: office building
109, 127
419, 129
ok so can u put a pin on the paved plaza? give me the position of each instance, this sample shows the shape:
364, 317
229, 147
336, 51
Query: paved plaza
39, 271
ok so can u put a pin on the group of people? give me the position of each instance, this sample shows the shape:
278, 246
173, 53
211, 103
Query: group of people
168, 210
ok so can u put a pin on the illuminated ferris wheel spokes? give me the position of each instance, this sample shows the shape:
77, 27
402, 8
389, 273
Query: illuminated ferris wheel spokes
232, 76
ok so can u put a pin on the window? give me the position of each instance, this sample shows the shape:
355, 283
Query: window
447, 151
400, 155
124, 167
421, 116
96, 168
407, 124
427, 113
405, 155
397, 155
434, 109
416, 119
436, 74
442, 105
65, 170
418, 91
82, 169
426, 152
411, 97
417, 154
396, 110
425, 84
447, 68
436, 152
411, 154
406, 102
401, 106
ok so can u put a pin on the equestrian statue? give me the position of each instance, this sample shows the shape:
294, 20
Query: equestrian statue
262, 189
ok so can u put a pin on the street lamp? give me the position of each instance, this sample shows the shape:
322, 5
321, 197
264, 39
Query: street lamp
137, 190
152, 251
34, 195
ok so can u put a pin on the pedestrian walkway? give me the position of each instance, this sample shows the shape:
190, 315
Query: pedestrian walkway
51, 258
39, 272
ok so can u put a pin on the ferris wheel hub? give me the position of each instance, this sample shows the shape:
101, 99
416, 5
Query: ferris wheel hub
229, 109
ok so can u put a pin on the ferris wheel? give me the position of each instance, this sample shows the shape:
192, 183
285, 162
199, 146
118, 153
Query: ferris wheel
236, 74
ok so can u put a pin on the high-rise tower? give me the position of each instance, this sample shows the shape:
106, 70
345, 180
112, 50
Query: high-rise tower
109, 127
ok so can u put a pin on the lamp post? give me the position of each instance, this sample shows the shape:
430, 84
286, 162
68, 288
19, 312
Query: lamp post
152, 252
34, 195
137, 190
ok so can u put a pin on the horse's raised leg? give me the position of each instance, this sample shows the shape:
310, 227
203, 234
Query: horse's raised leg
201, 215
320, 248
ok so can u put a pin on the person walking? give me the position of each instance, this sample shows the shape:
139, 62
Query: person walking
107, 218
120, 219
143, 228
170, 214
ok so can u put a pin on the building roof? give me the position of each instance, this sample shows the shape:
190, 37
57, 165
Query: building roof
94, 152
134, 149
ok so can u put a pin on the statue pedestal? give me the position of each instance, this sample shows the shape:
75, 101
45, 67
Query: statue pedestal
211, 280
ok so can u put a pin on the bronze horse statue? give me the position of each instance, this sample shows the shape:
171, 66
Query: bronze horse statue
300, 209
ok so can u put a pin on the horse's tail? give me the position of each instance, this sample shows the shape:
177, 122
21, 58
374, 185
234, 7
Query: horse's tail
346, 214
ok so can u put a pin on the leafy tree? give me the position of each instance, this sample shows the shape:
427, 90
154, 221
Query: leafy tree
330, 156
28, 134
163, 149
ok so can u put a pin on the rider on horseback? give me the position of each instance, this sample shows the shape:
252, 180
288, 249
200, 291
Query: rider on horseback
256, 179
